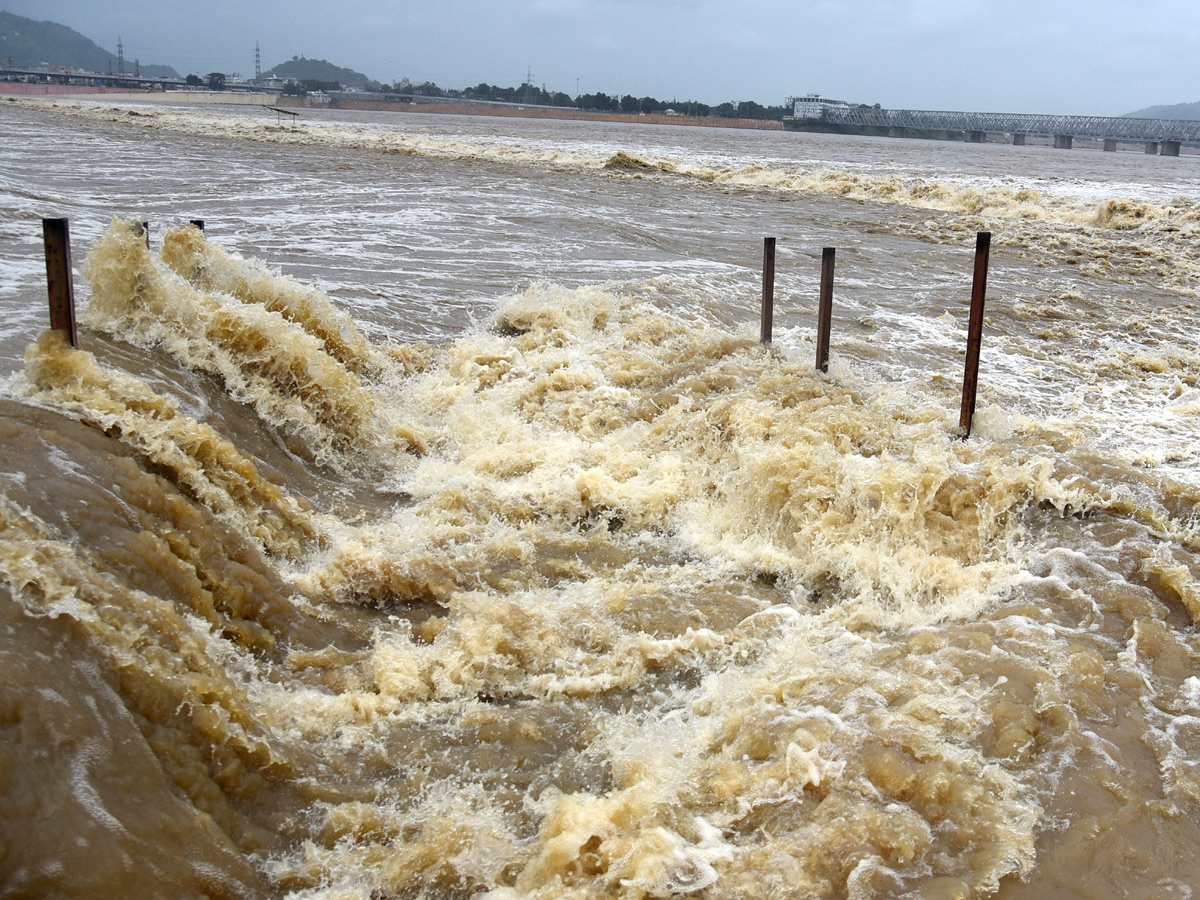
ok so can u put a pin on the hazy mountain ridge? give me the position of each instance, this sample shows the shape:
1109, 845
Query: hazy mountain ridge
31, 44
1170, 111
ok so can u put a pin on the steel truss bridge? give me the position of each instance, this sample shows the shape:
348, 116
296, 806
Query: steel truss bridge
1097, 127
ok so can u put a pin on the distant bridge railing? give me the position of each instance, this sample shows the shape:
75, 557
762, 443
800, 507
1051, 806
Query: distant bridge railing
1098, 127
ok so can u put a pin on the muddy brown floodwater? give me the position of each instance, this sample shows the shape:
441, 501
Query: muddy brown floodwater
434, 525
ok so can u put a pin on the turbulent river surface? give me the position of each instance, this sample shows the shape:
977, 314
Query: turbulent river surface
433, 523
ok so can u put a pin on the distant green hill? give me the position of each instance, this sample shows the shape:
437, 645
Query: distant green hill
1173, 111
31, 45
300, 69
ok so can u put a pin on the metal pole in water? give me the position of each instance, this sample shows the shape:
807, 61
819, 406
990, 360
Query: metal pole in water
768, 290
825, 309
983, 244
56, 235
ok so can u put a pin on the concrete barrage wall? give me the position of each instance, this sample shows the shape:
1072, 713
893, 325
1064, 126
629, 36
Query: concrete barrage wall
25, 89
21, 89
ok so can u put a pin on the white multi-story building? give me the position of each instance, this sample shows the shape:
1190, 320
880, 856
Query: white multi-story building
811, 106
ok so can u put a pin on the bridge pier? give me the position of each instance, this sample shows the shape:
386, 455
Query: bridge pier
978, 128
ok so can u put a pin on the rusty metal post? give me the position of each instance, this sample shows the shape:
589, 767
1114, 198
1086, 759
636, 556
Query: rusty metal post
768, 290
825, 308
56, 235
983, 243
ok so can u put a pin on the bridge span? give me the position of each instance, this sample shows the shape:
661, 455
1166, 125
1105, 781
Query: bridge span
1168, 134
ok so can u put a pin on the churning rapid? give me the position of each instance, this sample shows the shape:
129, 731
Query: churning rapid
488, 553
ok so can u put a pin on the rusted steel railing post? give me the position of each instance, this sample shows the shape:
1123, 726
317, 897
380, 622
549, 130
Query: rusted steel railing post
57, 237
768, 290
199, 223
825, 308
983, 245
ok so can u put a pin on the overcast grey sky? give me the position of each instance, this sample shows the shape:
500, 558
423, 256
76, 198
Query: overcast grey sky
1098, 57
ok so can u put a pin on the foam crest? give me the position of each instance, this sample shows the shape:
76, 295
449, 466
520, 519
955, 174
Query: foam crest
797, 776
600, 410
322, 409
209, 267
198, 459
534, 573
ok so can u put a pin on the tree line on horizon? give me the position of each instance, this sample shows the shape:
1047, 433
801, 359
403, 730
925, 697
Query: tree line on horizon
532, 95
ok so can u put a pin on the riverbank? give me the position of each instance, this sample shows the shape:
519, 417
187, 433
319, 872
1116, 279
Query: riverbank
374, 105
528, 112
